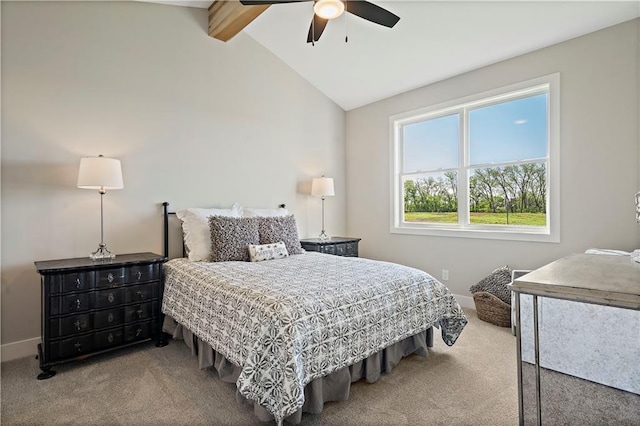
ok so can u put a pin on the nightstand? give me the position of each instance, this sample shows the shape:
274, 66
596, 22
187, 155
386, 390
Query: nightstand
91, 307
340, 246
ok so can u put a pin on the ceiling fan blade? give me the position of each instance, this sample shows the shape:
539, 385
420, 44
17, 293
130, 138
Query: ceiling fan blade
259, 2
371, 12
316, 28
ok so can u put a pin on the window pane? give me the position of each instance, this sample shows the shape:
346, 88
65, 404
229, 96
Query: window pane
510, 195
509, 131
431, 198
431, 144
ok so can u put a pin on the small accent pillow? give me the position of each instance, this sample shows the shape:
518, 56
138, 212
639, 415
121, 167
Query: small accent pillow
230, 237
496, 284
280, 228
258, 253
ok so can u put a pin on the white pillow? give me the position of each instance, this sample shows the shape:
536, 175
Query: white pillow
195, 229
258, 253
264, 212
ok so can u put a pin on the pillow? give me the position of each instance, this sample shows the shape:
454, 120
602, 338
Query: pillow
264, 212
231, 236
258, 253
280, 228
195, 230
496, 284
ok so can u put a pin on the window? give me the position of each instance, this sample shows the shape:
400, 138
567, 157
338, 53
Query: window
486, 166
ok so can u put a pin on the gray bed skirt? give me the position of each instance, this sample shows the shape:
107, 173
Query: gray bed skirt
333, 387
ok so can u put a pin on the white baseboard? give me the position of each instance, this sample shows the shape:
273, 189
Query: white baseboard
19, 349
465, 301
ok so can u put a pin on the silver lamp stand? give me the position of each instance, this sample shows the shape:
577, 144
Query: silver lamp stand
323, 235
100, 173
102, 252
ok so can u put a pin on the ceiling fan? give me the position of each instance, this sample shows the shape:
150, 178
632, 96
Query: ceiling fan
325, 10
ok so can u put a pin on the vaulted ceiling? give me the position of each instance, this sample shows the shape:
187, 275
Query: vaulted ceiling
432, 41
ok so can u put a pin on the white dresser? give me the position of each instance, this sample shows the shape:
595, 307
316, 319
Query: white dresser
587, 325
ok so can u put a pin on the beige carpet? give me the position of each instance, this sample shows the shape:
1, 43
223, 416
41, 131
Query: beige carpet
471, 383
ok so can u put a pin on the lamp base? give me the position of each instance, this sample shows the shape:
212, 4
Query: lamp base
102, 253
323, 236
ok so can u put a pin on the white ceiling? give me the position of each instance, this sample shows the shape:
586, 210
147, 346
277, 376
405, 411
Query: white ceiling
432, 41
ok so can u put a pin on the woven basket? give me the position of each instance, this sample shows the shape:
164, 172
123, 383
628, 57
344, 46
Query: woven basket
492, 310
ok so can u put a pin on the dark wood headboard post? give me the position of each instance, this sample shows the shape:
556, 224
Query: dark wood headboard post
165, 212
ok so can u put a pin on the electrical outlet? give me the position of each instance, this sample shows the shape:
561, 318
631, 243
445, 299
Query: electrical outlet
445, 275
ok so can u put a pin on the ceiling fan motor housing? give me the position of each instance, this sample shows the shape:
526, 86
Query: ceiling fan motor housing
328, 9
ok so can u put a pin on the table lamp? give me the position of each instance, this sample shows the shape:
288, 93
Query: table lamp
100, 173
322, 187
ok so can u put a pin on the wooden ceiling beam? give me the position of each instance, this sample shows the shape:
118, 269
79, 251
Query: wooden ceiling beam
228, 17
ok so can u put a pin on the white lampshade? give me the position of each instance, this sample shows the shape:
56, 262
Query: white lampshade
100, 173
322, 187
328, 9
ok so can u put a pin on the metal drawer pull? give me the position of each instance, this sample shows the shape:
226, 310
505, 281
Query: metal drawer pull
110, 297
78, 283
139, 274
140, 294
138, 331
78, 325
78, 303
110, 317
110, 277
110, 338
139, 311
78, 347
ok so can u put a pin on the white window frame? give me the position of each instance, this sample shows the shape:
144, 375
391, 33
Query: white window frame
548, 233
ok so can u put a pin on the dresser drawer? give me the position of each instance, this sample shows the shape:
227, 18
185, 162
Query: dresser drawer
75, 281
66, 326
110, 277
351, 250
71, 303
329, 249
82, 302
108, 318
79, 345
78, 324
140, 312
74, 346
104, 339
141, 293
142, 273
339, 246
137, 331
108, 298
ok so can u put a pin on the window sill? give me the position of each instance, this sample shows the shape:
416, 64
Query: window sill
542, 235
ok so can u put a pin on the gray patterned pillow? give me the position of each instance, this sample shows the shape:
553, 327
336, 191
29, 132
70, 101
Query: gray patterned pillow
280, 228
259, 253
496, 284
231, 236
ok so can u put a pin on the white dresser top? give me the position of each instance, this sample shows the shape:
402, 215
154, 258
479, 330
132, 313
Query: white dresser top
600, 279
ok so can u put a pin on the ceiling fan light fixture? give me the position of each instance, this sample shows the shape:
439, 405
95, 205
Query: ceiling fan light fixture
328, 9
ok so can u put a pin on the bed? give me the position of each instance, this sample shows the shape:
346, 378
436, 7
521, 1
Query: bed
294, 332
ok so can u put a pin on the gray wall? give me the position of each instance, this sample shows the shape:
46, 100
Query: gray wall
599, 142
195, 121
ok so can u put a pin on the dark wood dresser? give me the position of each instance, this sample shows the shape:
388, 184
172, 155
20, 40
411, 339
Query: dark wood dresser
340, 246
91, 307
